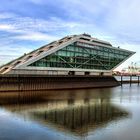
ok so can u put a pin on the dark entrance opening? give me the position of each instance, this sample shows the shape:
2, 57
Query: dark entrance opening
71, 73
87, 73
101, 74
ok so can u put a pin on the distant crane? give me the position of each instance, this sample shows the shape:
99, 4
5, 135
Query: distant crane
132, 69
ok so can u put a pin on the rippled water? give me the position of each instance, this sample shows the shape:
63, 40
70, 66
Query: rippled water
99, 114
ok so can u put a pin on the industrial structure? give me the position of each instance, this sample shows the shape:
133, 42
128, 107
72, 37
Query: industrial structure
132, 69
71, 55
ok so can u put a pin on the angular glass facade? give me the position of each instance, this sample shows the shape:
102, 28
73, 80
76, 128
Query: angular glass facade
84, 56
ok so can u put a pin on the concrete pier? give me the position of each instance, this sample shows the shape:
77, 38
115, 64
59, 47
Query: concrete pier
128, 79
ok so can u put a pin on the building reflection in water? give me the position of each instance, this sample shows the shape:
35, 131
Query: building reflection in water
74, 111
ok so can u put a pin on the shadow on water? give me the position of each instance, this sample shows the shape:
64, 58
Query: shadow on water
72, 111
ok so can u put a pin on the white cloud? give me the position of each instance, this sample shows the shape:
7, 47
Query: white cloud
10, 52
27, 23
134, 58
5, 15
27, 28
122, 20
35, 36
6, 27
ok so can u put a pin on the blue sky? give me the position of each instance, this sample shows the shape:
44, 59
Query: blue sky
28, 24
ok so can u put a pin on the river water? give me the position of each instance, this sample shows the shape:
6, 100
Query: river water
99, 114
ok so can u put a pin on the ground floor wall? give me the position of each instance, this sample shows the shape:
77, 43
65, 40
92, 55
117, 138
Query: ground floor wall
58, 72
26, 82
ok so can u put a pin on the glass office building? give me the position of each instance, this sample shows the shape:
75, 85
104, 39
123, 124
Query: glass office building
77, 55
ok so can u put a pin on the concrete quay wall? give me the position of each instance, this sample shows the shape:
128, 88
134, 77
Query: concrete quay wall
26, 82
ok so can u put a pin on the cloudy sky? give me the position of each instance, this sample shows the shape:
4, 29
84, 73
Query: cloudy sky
28, 24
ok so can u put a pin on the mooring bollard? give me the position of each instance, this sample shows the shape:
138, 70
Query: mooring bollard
130, 80
121, 80
138, 80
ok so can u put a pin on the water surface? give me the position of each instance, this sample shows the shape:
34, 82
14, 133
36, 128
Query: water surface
99, 114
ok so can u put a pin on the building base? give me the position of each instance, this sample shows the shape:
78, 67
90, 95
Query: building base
27, 83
